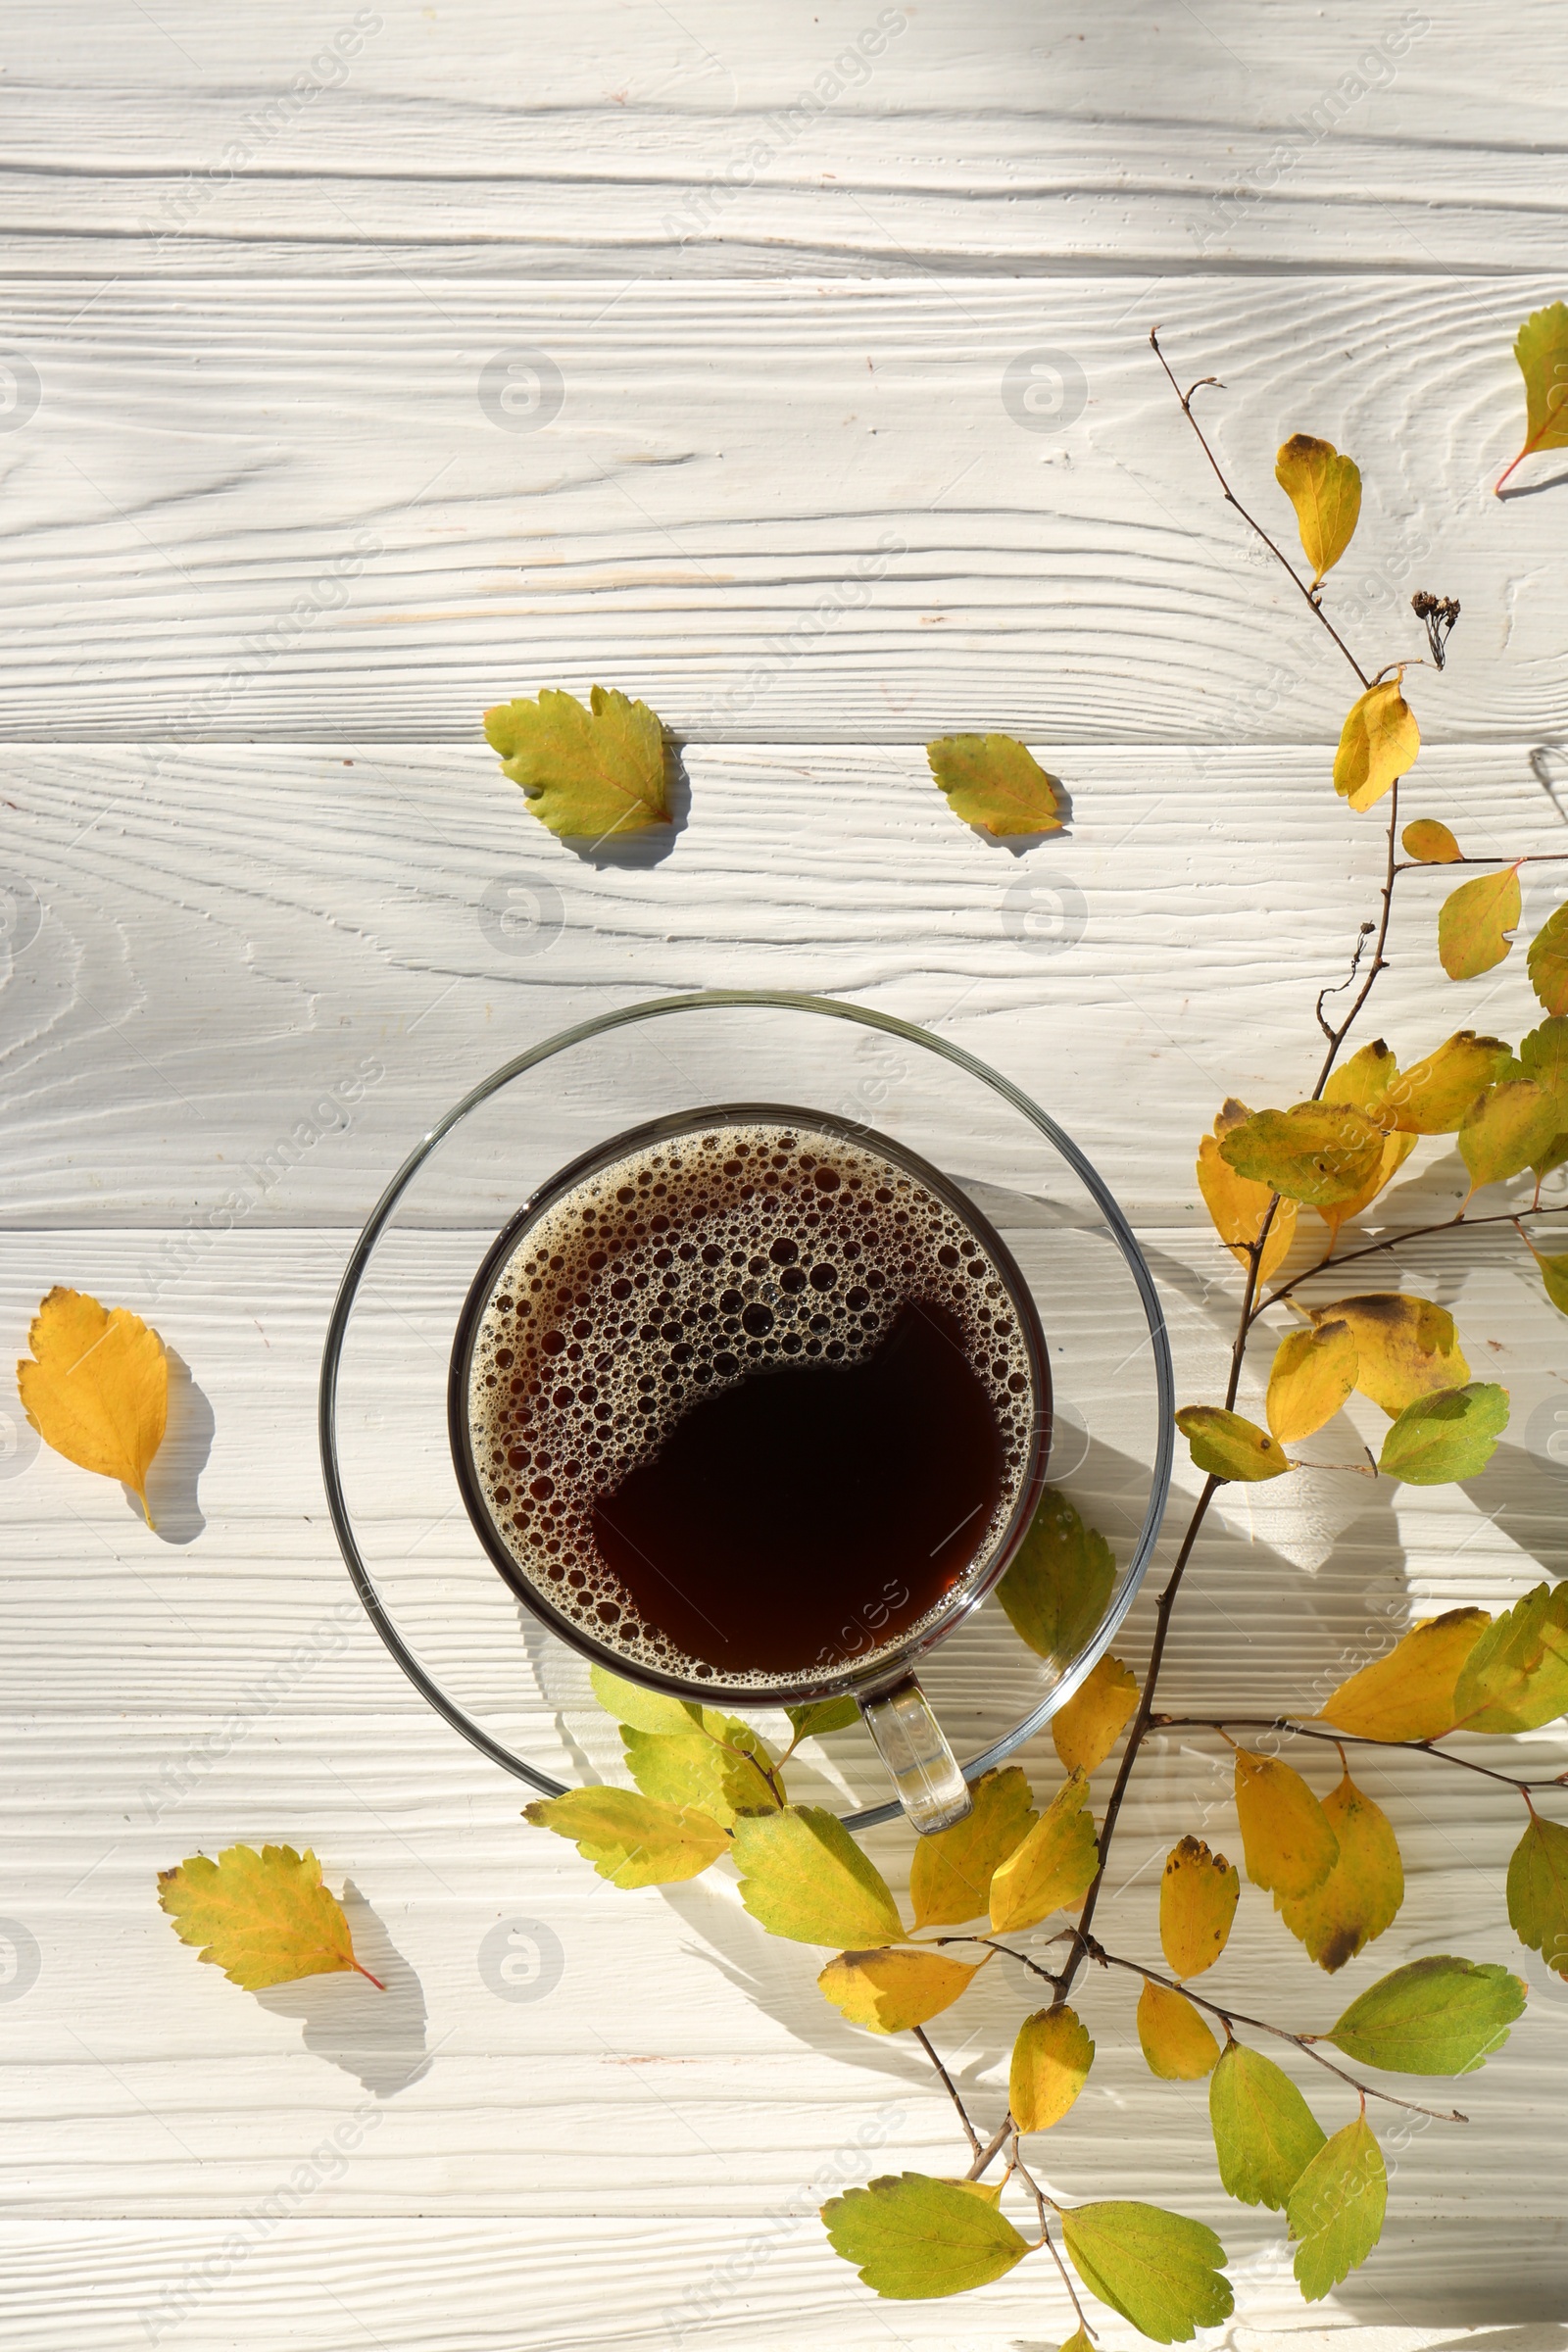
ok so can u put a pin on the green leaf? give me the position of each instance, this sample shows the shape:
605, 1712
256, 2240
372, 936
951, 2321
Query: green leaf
1336, 2209
1059, 1585
1474, 922
803, 1875
1378, 742
1508, 1128
1543, 1057
1227, 1445
951, 1872
822, 1716
630, 1839
1319, 1152
1515, 1679
1325, 489
586, 774
912, 2236
1286, 1842
1265, 2134
1453, 1435
1438, 2016
1155, 2268
1432, 1097
1429, 843
1361, 1895
643, 1710
995, 782
1054, 1866
1547, 961
1541, 350
1409, 1693
717, 1764
896, 1987
1051, 2062
1537, 1891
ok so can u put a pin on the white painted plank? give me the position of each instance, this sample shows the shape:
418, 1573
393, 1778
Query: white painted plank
781, 513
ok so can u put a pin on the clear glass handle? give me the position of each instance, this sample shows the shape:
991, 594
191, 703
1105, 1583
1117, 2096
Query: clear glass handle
910, 1743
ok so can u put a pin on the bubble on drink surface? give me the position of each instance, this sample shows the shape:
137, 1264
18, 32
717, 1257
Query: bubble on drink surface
680, 1270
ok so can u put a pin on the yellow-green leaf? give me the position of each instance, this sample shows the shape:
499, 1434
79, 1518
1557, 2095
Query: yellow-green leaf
1378, 742
1156, 2268
1547, 962
1474, 922
1197, 1897
1515, 1679
1361, 1895
803, 1875
821, 1716
994, 781
1409, 1693
1054, 1866
1438, 2016
950, 1870
1508, 1128
1541, 350
585, 773
1543, 1057
1434, 1097
1237, 1205
264, 1917
1089, 1726
1265, 2134
1537, 1891
718, 1764
1312, 1374
911, 2236
1336, 2209
96, 1387
1228, 1445
1318, 1152
895, 1987
1177, 2044
1441, 1439
1057, 1587
1364, 1081
634, 1705
1396, 1149
1429, 843
1405, 1346
1286, 1842
1325, 489
631, 1840
1051, 2062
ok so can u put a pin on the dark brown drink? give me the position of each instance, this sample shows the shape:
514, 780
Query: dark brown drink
752, 1404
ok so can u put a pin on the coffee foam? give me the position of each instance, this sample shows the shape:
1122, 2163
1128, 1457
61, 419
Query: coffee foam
675, 1272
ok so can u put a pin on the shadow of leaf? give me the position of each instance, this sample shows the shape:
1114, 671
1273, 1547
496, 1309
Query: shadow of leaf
379, 2038
172, 1486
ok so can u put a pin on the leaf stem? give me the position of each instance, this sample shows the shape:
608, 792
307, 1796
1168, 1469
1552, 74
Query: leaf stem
925, 2039
1046, 2238
1398, 1747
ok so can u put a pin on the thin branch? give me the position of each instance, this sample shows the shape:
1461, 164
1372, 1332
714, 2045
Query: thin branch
1439, 865
1006, 1949
1337, 1037
923, 2039
1397, 1747
992, 2149
1414, 1232
1046, 2238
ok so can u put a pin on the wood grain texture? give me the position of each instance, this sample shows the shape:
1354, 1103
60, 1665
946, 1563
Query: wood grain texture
792, 514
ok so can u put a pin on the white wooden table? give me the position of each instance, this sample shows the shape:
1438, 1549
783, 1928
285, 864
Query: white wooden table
290, 496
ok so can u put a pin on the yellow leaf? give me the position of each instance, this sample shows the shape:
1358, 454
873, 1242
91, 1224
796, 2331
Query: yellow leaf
1054, 1866
632, 1840
1319, 1152
1228, 1445
1361, 1895
1313, 1372
96, 1387
1408, 1694
1237, 1205
1429, 843
1433, 1098
1507, 1129
993, 781
264, 1917
894, 1989
1325, 489
1547, 961
1286, 1842
1405, 1348
1363, 1082
1541, 350
1178, 2046
1197, 1897
1474, 922
1051, 2062
951, 1872
1378, 742
1089, 1726
585, 773
717, 1765
1396, 1149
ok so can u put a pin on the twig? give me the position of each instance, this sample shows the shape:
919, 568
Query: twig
1439, 865
1397, 1747
925, 2039
1412, 1233
1006, 1949
1337, 1037
1046, 2238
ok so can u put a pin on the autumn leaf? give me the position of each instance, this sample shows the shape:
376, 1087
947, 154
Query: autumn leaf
634, 1705
1325, 489
1314, 1372
1508, 1128
1286, 1842
1409, 1693
1541, 350
950, 1870
993, 781
1434, 1097
1515, 1678
821, 1716
1438, 2016
911, 2236
1054, 1866
1198, 1897
1396, 1149
631, 1840
1228, 1445
1237, 1205
1177, 2044
1156, 2268
1474, 922
1051, 2062
1318, 1152
1089, 1726
1537, 1891
264, 1917
1378, 742
1553, 1275
1543, 1057
585, 773
1265, 2134
1547, 961
717, 1765
1336, 2209
1441, 1439
1429, 843
1060, 1582
1361, 1895
1364, 1081
895, 1987
803, 1875
1405, 1346
96, 1387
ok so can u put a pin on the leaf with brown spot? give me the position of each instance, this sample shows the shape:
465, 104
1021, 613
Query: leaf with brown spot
1198, 1897
1228, 1445
1405, 1346
1361, 1895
